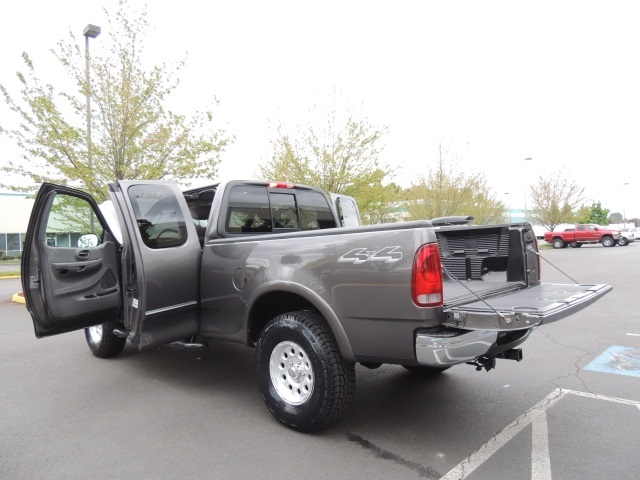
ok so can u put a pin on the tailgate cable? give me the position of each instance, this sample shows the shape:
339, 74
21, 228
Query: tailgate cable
530, 248
506, 319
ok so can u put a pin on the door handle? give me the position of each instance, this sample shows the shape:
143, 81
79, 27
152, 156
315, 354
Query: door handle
83, 254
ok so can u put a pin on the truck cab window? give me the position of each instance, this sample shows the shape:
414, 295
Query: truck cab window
315, 212
283, 210
248, 210
159, 217
70, 218
199, 203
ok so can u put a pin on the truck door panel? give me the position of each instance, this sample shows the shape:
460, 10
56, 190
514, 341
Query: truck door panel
69, 283
164, 269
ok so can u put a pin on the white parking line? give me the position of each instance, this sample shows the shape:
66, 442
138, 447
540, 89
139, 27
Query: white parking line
481, 455
537, 416
604, 397
634, 334
540, 460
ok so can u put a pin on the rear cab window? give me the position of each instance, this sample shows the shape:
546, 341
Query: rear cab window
259, 209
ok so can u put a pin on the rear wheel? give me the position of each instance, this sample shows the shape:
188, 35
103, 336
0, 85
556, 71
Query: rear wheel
302, 377
608, 242
558, 243
425, 371
102, 342
623, 242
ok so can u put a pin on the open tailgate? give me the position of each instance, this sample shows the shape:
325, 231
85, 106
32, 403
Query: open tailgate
544, 303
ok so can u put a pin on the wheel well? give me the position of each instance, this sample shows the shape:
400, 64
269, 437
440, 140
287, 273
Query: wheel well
271, 305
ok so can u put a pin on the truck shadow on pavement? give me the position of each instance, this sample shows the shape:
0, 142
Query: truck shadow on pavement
389, 398
222, 366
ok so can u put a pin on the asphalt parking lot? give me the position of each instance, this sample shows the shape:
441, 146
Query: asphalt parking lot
569, 410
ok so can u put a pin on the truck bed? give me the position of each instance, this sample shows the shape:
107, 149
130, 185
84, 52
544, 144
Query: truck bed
460, 293
482, 261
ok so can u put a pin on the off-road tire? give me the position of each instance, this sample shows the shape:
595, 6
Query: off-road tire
558, 243
102, 342
302, 377
608, 242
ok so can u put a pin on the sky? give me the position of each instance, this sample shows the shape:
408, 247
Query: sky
494, 81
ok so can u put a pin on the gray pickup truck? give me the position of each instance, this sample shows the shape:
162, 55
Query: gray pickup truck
277, 267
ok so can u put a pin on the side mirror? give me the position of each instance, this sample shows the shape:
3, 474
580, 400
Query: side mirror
90, 240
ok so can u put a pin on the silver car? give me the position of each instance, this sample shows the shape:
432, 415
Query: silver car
627, 236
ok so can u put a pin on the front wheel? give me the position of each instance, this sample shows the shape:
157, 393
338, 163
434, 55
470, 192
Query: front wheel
608, 242
558, 243
623, 242
102, 342
302, 377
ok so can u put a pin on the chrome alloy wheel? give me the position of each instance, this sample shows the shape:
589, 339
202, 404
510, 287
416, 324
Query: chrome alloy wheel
291, 373
95, 334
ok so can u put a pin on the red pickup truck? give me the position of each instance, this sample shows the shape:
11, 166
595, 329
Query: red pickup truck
584, 233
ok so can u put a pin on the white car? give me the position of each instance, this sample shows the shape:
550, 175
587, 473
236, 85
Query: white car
627, 236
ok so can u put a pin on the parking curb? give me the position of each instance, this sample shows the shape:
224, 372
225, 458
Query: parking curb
18, 298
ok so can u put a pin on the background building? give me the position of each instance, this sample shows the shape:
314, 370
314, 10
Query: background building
15, 209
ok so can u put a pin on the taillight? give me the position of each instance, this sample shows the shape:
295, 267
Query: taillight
426, 281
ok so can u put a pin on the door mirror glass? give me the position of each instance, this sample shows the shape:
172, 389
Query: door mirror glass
90, 240
348, 212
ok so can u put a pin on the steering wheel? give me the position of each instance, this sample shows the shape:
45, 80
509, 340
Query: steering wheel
168, 230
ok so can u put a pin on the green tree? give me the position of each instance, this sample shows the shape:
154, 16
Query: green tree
444, 192
593, 214
341, 157
554, 200
383, 206
615, 217
133, 135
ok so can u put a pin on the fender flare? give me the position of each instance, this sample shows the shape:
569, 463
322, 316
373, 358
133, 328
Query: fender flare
316, 300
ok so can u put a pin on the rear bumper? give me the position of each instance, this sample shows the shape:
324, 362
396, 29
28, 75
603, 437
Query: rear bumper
436, 350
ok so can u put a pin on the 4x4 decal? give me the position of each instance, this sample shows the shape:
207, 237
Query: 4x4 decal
362, 255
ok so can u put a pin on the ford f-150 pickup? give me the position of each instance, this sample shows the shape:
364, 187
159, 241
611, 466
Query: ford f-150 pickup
276, 267
584, 233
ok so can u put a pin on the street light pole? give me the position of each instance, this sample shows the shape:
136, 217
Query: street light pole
90, 31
